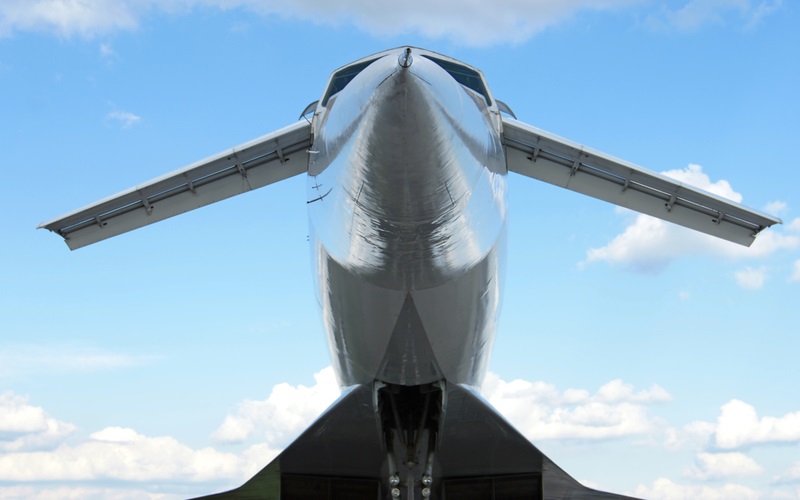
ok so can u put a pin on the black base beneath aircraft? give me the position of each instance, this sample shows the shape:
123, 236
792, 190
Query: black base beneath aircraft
479, 455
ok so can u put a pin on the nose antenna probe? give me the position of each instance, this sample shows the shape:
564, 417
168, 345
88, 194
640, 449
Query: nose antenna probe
405, 58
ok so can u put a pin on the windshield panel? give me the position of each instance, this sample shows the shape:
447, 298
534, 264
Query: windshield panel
341, 78
465, 76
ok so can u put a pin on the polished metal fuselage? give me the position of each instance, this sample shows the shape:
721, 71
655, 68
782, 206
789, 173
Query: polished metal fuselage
408, 218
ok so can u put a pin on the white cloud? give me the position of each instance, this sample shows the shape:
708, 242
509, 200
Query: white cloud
468, 23
649, 244
617, 391
16, 415
40, 492
286, 412
738, 425
465, 22
26, 427
21, 359
121, 456
67, 17
776, 207
795, 271
539, 410
125, 118
139, 458
792, 475
751, 278
694, 175
117, 435
723, 465
32, 446
692, 436
665, 489
696, 13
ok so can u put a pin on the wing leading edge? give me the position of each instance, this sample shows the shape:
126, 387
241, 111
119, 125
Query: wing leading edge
262, 161
541, 155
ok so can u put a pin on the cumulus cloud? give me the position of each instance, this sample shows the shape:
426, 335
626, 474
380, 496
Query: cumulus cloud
696, 13
648, 244
116, 435
26, 427
126, 459
467, 23
540, 411
33, 447
751, 278
665, 489
792, 475
120, 455
40, 492
286, 412
738, 425
722, 465
67, 17
124, 455
694, 435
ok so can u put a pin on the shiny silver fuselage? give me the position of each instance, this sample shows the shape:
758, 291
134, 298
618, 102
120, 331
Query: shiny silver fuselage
408, 218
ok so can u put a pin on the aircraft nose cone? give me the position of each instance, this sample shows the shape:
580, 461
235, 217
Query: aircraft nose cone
406, 150
405, 59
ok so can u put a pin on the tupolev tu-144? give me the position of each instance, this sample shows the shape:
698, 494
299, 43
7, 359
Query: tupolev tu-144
406, 155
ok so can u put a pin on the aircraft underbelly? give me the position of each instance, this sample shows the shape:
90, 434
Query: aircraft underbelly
411, 336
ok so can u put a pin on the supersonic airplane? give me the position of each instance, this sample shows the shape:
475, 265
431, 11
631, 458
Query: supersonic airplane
407, 155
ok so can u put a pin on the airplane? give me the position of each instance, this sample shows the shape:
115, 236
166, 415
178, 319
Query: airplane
406, 156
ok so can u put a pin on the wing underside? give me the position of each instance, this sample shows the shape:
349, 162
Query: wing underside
541, 155
266, 160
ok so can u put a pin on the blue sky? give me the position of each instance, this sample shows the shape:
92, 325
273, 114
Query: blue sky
178, 359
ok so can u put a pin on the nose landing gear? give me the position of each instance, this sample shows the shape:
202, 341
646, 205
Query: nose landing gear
410, 418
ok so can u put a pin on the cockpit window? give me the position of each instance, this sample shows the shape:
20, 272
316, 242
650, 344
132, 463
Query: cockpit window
465, 76
342, 77
462, 74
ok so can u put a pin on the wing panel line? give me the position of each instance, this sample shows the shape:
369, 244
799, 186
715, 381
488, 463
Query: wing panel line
262, 161
539, 154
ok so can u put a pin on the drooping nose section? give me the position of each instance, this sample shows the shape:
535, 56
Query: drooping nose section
407, 212
420, 158
412, 154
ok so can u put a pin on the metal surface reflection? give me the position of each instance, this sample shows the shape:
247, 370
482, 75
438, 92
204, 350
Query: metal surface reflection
407, 200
